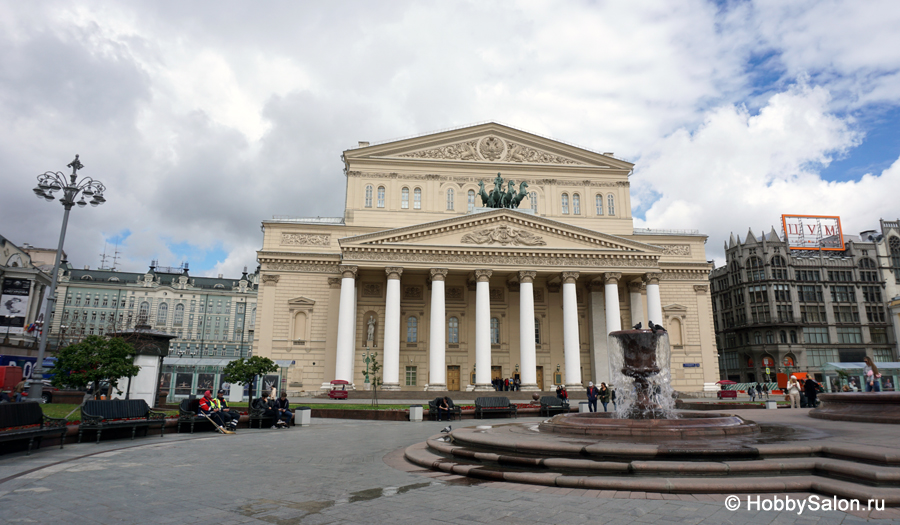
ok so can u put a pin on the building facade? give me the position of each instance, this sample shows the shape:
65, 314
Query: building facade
798, 310
450, 294
22, 289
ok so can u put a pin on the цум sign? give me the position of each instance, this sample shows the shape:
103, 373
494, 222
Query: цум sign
813, 232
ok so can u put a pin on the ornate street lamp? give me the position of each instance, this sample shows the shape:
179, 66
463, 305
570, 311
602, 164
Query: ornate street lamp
72, 189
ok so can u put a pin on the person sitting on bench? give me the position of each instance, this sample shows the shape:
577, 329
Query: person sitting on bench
284, 415
229, 416
208, 408
444, 409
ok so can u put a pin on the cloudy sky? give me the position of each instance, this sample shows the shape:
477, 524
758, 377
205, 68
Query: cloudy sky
204, 118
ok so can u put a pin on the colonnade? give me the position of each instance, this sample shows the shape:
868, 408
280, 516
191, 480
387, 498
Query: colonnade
437, 339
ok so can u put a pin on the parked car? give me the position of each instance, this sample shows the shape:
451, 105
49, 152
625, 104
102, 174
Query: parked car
46, 392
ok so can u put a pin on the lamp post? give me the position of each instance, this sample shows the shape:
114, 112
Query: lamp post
48, 183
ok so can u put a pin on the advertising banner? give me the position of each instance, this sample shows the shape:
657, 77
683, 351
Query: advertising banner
14, 305
813, 232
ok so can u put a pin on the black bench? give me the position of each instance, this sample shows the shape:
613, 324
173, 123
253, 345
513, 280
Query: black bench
552, 404
119, 413
433, 409
494, 405
258, 413
187, 414
14, 416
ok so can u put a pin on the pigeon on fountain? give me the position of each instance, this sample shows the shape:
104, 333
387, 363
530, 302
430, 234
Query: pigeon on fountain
656, 327
637, 326
446, 429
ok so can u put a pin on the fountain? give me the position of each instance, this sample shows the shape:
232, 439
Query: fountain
648, 446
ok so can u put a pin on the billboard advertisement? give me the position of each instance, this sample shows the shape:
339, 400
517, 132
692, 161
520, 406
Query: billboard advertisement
14, 305
813, 232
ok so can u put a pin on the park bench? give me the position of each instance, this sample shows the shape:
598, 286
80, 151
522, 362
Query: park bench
27, 421
187, 414
494, 405
258, 413
552, 404
433, 410
119, 413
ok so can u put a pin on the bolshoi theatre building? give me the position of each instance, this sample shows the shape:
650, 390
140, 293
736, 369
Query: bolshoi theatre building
473, 254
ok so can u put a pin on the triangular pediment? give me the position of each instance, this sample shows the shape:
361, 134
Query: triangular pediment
489, 143
301, 302
673, 309
501, 229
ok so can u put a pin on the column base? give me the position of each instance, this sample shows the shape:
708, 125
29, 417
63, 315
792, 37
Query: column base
532, 387
436, 387
577, 387
328, 387
484, 387
390, 387
710, 387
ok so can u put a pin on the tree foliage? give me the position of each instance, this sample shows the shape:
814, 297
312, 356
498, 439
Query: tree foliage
94, 359
244, 371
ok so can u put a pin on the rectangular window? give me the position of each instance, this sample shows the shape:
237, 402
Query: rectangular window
758, 295
875, 314
821, 356
846, 313
816, 335
410, 376
883, 355
871, 294
758, 274
810, 294
105, 301
812, 314
78, 300
785, 313
847, 335
742, 316
779, 273
782, 293
879, 335
381, 196
808, 275
739, 297
843, 294
417, 199
840, 276
868, 276
760, 314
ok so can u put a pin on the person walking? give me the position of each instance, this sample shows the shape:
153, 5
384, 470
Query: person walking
592, 394
752, 391
812, 389
605, 394
765, 390
793, 392
873, 383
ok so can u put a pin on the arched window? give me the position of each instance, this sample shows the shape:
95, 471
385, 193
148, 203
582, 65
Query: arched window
770, 337
757, 338
453, 331
611, 205
565, 203
537, 331
412, 330
144, 311
782, 336
300, 326
495, 331
471, 201
576, 204
533, 198
253, 317
674, 330
450, 199
404, 198
793, 337
369, 196
381, 196
417, 199
598, 203
179, 314
894, 244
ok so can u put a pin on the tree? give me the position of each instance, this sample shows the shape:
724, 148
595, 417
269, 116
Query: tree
244, 371
376, 379
92, 360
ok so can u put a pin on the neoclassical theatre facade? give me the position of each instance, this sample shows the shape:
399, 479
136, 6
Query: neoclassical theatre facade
450, 294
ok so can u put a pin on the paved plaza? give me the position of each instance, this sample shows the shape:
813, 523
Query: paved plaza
341, 471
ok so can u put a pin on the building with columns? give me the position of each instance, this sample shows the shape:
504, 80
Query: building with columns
451, 294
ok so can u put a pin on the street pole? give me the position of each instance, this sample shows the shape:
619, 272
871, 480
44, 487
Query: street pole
47, 184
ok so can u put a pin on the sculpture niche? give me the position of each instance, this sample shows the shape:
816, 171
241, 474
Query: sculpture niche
498, 198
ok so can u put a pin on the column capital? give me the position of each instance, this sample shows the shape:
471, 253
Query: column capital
334, 282
393, 272
635, 286
270, 278
594, 285
483, 276
569, 277
527, 276
439, 274
347, 271
701, 288
612, 277
652, 278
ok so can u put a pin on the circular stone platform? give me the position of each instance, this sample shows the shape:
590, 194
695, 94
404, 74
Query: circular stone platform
865, 407
687, 425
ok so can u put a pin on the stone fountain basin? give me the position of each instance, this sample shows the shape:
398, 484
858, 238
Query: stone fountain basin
686, 426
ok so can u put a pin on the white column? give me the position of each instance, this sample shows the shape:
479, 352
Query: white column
611, 291
599, 334
528, 371
391, 369
636, 304
571, 341
353, 341
483, 331
654, 303
343, 359
437, 366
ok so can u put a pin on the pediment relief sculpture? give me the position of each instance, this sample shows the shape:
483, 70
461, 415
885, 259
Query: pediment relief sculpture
503, 235
492, 149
